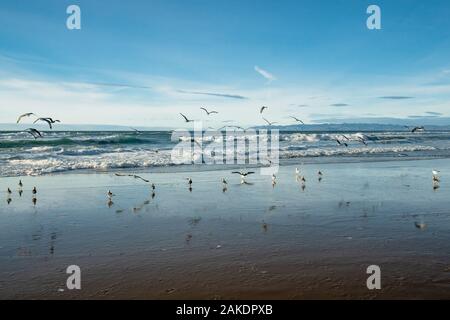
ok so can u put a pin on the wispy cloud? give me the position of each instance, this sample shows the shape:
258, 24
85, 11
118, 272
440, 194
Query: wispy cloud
265, 74
118, 85
396, 97
214, 94
434, 113
298, 105
339, 105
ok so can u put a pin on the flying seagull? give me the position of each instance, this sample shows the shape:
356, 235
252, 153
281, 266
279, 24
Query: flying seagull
208, 112
341, 143
25, 115
362, 140
418, 129
262, 109
297, 119
132, 175
243, 174
185, 118
268, 122
35, 133
49, 121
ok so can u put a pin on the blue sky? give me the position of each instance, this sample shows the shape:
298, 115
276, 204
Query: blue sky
140, 63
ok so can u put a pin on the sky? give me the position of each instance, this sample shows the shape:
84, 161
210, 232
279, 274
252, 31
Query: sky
141, 63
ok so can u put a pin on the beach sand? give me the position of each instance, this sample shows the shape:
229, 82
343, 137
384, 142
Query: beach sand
251, 242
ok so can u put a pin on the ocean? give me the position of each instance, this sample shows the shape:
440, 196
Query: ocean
63, 151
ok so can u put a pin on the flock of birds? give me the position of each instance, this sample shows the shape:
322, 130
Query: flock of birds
243, 175
34, 132
20, 191
261, 110
341, 140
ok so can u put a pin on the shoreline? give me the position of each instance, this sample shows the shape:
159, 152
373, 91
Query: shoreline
250, 242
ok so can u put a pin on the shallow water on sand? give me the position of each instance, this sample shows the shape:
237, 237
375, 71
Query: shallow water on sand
252, 241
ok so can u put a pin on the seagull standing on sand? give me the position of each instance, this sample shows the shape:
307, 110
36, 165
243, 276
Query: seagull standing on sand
224, 185
320, 173
9, 191
110, 194
436, 175
20, 184
274, 179
34, 190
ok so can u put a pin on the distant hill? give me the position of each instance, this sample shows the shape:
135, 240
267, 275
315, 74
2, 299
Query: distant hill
75, 127
350, 127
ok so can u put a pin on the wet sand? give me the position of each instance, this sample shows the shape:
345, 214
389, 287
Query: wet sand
251, 242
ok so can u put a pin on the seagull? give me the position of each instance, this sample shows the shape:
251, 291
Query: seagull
20, 183
132, 175
320, 173
9, 191
153, 187
35, 133
418, 129
189, 180
25, 115
44, 119
341, 143
274, 179
185, 118
420, 225
208, 112
268, 122
296, 119
362, 140
110, 194
224, 182
262, 109
297, 171
50, 121
243, 174
34, 190
435, 175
